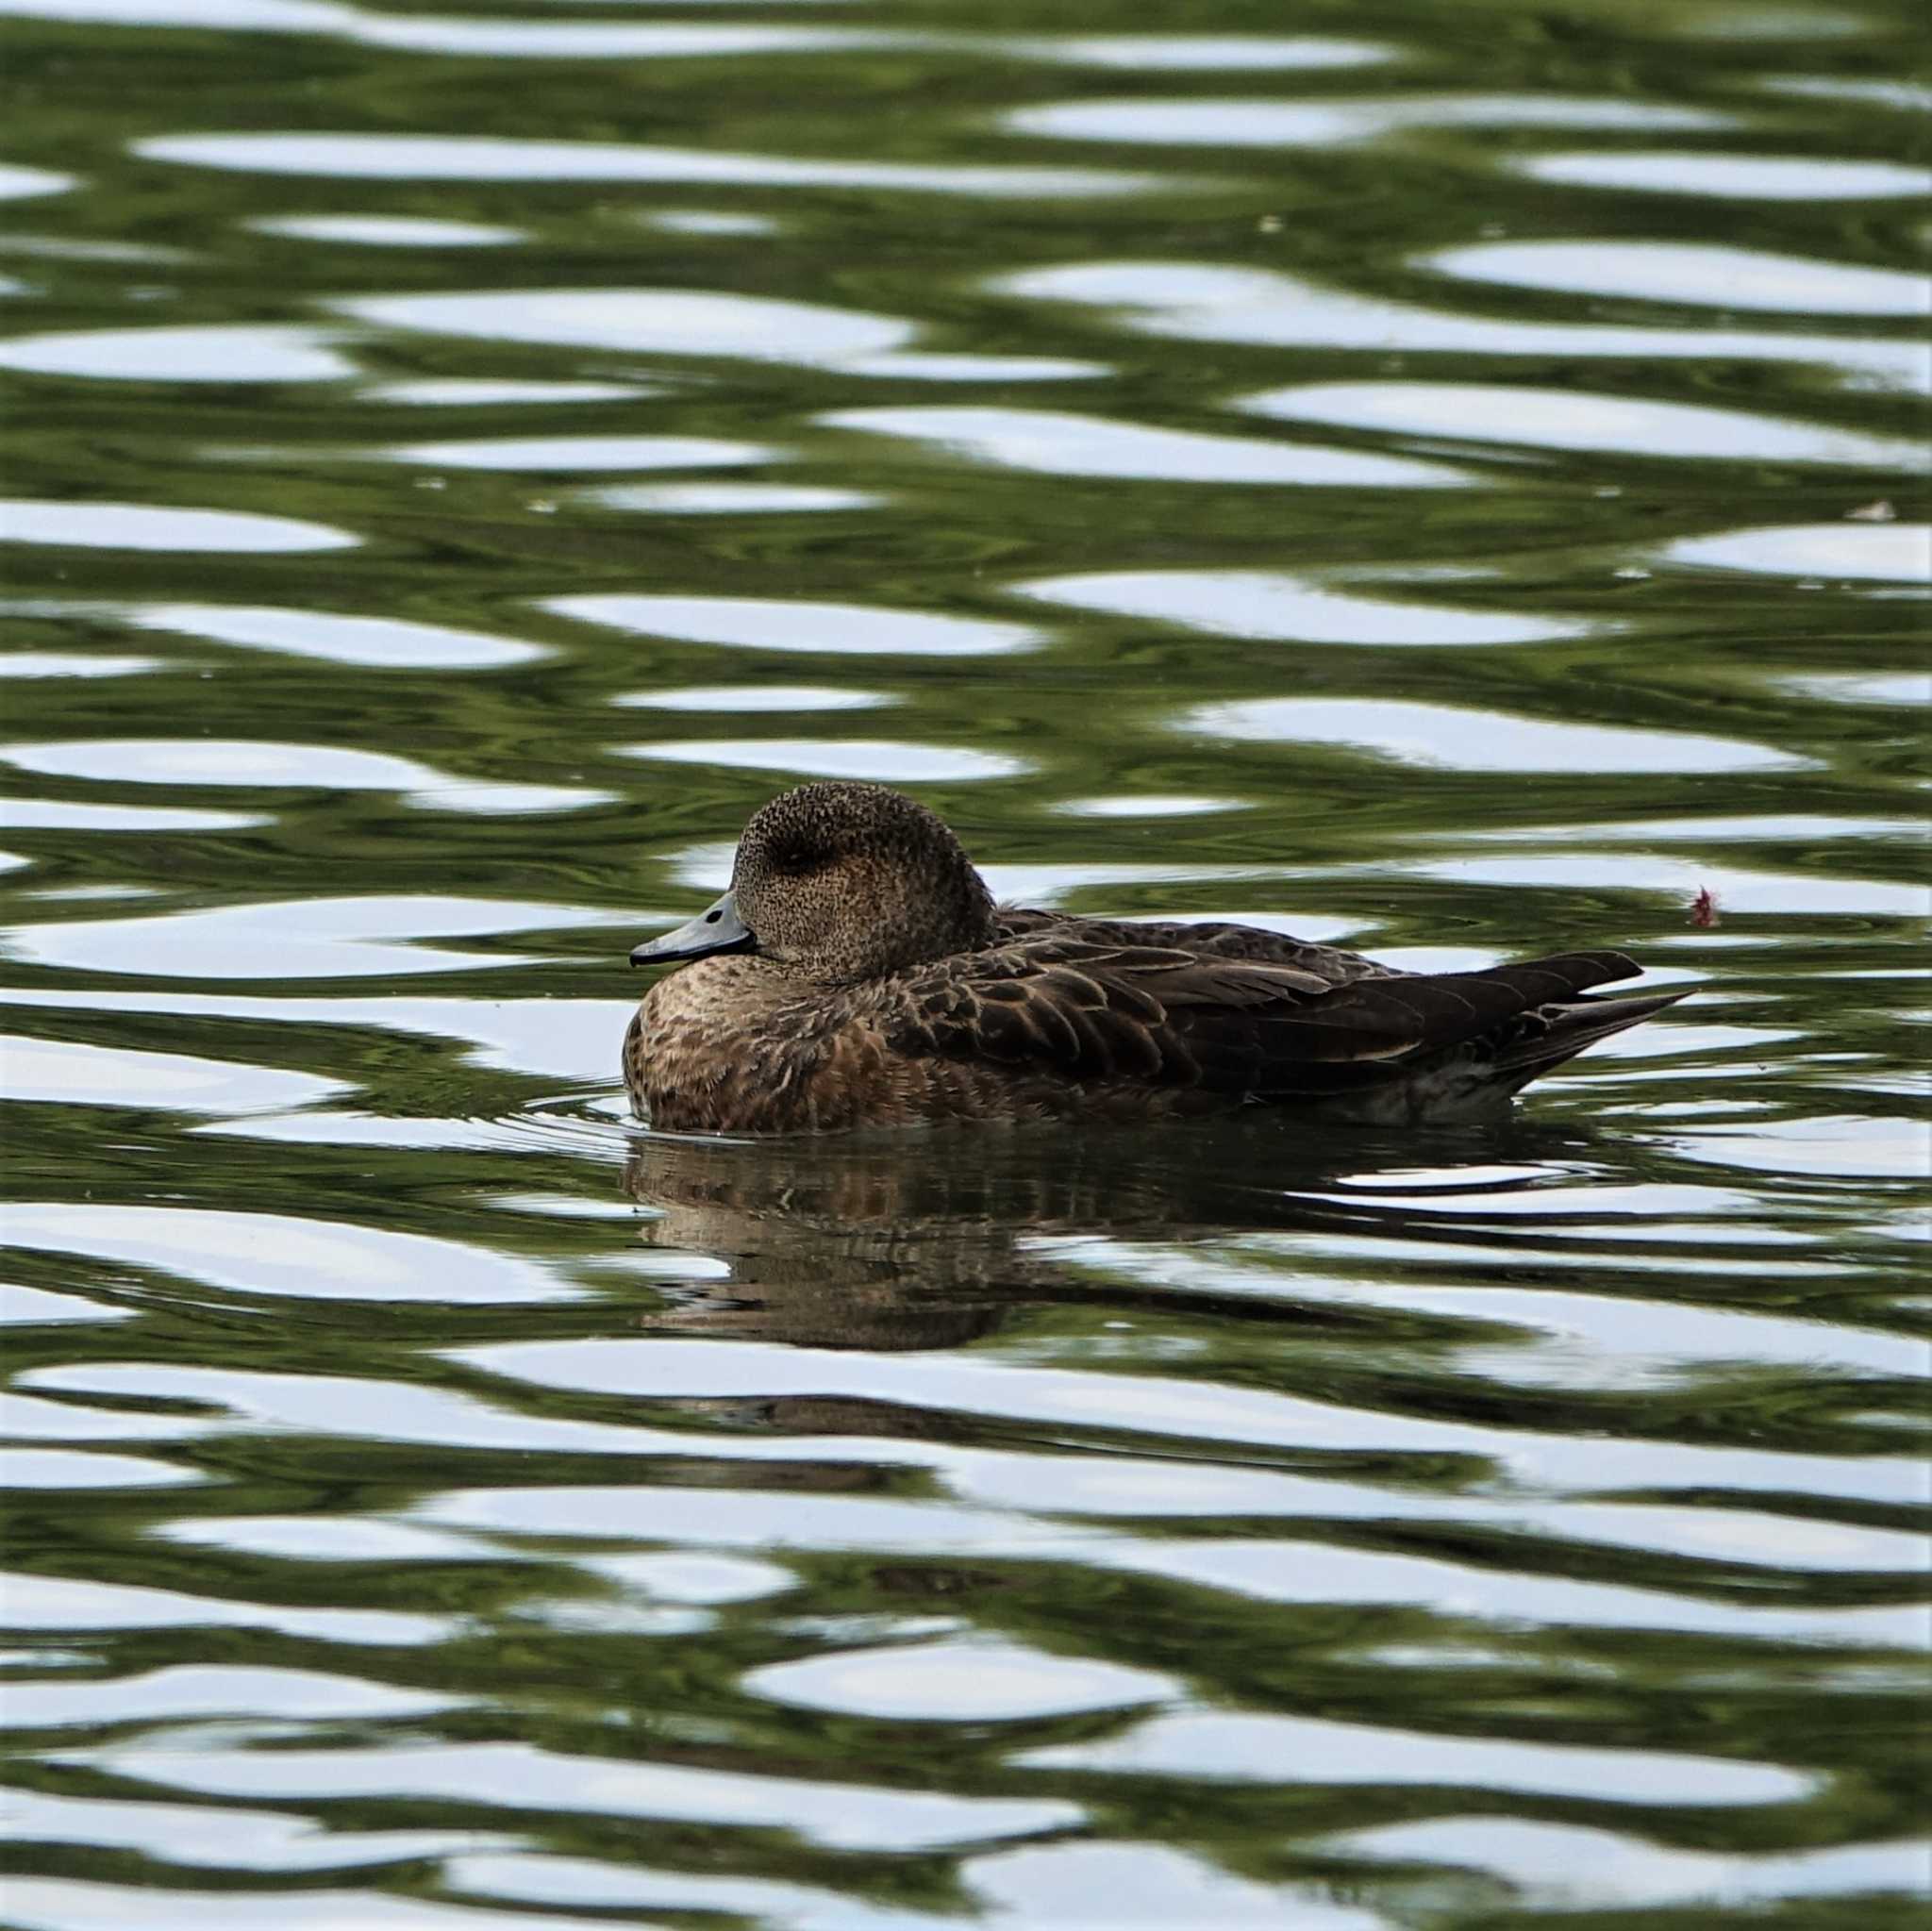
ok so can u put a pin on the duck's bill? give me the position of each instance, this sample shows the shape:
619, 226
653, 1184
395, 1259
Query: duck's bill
720, 929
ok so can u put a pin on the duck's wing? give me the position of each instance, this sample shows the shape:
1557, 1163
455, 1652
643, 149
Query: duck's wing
1233, 1027
1214, 939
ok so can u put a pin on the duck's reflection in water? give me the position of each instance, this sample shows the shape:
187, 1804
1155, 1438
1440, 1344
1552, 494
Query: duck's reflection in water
898, 1242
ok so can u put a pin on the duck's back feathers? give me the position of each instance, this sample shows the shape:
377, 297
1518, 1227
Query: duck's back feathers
1070, 1002
1213, 939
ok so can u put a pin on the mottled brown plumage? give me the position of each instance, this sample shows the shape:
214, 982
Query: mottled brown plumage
857, 974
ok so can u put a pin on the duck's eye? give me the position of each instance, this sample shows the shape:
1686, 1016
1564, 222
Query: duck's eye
796, 861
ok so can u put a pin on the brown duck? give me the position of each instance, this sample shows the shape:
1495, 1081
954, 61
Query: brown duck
857, 974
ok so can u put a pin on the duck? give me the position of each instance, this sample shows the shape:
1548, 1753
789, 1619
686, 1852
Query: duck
857, 974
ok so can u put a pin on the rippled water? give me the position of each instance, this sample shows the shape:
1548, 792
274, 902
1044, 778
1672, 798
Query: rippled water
1445, 479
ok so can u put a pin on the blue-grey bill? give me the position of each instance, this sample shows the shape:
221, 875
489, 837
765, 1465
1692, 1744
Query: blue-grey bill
718, 929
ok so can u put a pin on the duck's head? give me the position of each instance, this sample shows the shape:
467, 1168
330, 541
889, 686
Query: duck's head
841, 882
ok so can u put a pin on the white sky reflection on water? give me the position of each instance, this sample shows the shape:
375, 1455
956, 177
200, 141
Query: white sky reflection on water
24, 184
39, 1307
525, 40
59, 814
263, 766
1262, 604
278, 1254
292, 939
300, 1539
1899, 96
829, 1814
1853, 687
654, 320
1566, 1863
731, 499
55, 1903
459, 391
1572, 419
28, 1469
138, 527
683, 322
1691, 272
485, 157
1860, 552
1738, 177
1282, 1750
1845, 1144
266, 16
32, 663
1202, 53
1209, 302
373, 643
972, 1681
211, 1835
1056, 442
536, 454
1474, 741
56, 1601
604, 40
1238, 123
877, 760
755, 698
181, 355
1150, 805
67, 1072
779, 624
701, 221
386, 230
181, 1690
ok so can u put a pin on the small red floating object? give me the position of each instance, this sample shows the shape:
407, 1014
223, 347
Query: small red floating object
1704, 906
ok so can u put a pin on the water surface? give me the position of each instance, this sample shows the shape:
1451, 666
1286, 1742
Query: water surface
1448, 481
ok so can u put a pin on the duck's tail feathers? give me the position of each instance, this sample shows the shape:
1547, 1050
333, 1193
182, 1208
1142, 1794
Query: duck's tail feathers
1570, 1029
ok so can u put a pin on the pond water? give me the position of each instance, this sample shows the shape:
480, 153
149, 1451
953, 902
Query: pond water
1449, 480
